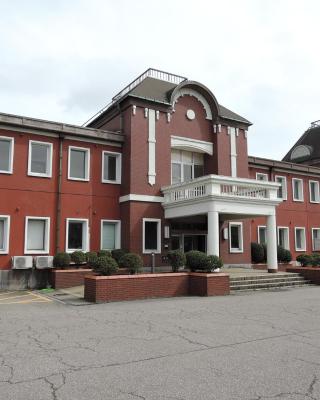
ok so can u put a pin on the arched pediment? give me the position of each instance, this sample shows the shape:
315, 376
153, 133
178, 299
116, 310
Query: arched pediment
201, 93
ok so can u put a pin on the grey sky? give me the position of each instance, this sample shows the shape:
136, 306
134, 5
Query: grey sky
64, 60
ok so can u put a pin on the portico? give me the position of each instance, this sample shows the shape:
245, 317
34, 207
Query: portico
223, 198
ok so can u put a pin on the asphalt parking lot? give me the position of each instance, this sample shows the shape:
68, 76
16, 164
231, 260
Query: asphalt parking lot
256, 346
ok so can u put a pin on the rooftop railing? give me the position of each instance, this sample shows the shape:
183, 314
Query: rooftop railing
149, 73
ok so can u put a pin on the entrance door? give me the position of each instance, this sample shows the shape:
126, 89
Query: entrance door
194, 242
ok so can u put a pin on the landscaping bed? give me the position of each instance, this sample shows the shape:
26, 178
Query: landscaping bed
99, 289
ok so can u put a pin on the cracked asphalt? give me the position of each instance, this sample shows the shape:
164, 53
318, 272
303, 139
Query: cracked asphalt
257, 346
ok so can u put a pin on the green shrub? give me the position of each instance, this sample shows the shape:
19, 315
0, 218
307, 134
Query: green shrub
91, 257
196, 260
78, 257
61, 260
213, 262
131, 261
315, 260
287, 257
104, 253
265, 252
304, 259
105, 266
177, 259
257, 253
118, 253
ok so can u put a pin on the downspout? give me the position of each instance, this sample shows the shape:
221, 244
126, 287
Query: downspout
58, 209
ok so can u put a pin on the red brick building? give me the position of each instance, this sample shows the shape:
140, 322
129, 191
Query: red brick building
163, 166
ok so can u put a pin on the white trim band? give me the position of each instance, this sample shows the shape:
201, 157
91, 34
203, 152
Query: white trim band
141, 197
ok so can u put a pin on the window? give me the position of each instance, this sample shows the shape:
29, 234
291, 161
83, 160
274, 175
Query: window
6, 154
315, 239
282, 191
314, 191
235, 237
262, 234
186, 166
77, 235
40, 159
262, 177
297, 189
283, 237
300, 239
37, 235
4, 234
151, 235
79, 162
111, 167
110, 234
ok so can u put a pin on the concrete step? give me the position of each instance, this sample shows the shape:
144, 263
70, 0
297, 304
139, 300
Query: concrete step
239, 282
270, 288
264, 276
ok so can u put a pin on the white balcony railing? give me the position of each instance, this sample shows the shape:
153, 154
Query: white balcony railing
220, 186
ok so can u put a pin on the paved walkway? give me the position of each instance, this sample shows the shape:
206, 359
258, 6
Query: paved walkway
251, 347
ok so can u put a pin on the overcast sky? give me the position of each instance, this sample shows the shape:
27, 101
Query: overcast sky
63, 60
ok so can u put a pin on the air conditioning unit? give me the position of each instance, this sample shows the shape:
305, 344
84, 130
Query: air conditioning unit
22, 262
43, 262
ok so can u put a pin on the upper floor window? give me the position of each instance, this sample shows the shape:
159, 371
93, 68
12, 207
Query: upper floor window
6, 154
186, 166
262, 177
314, 191
282, 190
4, 234
111, 167
297, 189
40, 159
79, 163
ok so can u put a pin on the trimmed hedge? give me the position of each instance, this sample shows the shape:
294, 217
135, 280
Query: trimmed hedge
78, 257
132, 261
177, 259
213, 262
118, 253
105, 266
257, 253
197, 260
61, 260
283, 255
304, 259
104, 253
91, 257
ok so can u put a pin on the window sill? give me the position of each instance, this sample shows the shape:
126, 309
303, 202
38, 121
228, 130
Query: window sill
112, 182
236, 251
78, 179
6, 172
151, 252
35, 252
298, 200
301, 250
33, 174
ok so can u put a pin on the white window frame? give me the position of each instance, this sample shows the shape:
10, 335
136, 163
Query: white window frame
232, 249
182, 164
284, 187
117, 241
49, 159
46, 239
6, 218
302, 194
118, 167
313, 229
287, 247
266, 176
304, 236
317, 200
87, 166
258, 229
9, 139
158, 249
85, 234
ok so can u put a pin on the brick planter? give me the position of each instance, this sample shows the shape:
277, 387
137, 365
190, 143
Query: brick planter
310, 273
65, 278
264, 267
100, 289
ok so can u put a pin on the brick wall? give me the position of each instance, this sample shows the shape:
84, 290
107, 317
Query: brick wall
61, 279
132, 287
312, 274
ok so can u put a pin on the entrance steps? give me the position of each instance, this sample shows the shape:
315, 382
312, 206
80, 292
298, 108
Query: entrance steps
244, 283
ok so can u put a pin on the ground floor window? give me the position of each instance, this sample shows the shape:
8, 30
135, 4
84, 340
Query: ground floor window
37, 235
151, 235
110, 234
300, 239
262, 234
236, 237
283, 237
316, 239
4, 234
188, 242
77, 235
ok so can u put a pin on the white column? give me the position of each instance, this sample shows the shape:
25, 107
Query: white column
213, 233
272, 244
